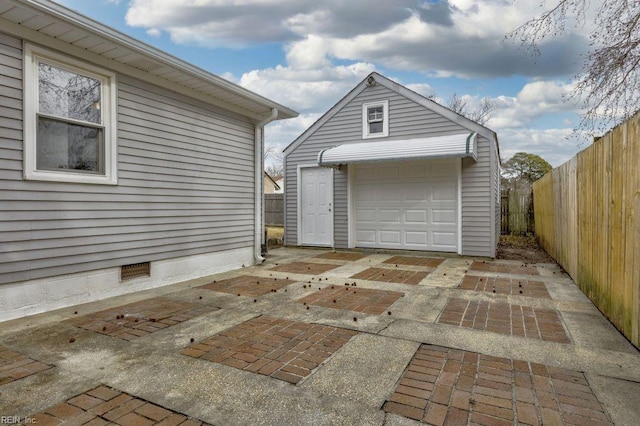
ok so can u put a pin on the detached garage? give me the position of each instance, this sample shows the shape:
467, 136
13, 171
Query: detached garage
388, 168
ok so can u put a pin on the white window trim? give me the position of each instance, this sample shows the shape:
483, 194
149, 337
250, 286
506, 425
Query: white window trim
32, 56
385, 120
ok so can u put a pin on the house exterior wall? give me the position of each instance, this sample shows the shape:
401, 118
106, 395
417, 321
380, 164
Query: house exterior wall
269, 186
185, 186
407, 119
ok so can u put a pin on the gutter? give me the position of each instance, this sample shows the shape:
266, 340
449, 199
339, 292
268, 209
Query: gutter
259, 186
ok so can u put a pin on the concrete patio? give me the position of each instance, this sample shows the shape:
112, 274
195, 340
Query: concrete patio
316, 337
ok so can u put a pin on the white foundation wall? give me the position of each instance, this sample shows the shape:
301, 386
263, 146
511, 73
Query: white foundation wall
32, 297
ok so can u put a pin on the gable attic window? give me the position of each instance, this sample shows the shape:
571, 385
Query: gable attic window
69, 119
375, 119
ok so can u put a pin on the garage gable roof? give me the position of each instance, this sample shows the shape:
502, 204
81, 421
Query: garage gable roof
462, 145
472, 126
55, 26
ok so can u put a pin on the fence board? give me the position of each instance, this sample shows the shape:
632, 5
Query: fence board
516, 212
588, 218
274, 209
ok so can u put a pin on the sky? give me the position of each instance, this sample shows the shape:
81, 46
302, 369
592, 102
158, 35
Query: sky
307, 55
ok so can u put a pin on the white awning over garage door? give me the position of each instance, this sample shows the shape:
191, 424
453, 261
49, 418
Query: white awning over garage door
462, 145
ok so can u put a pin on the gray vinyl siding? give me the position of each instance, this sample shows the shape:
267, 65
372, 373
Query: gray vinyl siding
407, 119
185, 186
477, 192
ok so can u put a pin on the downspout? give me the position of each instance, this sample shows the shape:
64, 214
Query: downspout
259, 187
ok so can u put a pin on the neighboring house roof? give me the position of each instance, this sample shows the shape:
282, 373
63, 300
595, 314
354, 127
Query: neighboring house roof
82, 36
275, 185
400, 89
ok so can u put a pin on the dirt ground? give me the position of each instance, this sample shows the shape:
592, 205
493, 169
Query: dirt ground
510, 247
526, 249
275, 235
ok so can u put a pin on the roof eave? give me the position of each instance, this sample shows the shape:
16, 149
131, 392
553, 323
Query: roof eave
100, 30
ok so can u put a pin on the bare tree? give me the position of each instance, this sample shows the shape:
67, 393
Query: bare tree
276, 167
480, 114
607, 86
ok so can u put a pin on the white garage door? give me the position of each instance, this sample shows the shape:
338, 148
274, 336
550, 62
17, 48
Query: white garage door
408, 205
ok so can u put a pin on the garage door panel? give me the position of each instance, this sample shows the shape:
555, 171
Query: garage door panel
444, 217
389, 192
366, 216
415, 171
443, 169
389, 216
444, 238
387, 172
365, 194
416, 193
416, 217
390, 237
366, 236
406, 205
417, 238
445, 191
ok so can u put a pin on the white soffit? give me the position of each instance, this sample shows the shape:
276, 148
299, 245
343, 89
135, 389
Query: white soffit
462, 145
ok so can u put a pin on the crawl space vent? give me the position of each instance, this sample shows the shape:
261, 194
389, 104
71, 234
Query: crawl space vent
128, 272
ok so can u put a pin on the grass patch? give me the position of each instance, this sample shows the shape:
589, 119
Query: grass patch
275, 232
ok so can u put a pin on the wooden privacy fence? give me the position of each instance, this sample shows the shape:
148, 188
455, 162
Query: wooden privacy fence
274, 209
588, 218
516, 212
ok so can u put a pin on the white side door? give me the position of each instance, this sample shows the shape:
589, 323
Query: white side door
315, 206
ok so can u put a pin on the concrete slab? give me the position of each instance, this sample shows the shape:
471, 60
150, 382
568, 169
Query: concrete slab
352, 385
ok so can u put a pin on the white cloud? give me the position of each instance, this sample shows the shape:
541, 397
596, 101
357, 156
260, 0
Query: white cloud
534, 101
154, 32
461, 37
554, 145
304, 89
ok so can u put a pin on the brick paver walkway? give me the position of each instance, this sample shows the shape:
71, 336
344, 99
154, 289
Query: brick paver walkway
368, 301
503, 268
503, 318
246, 285
283, 349
510, 286
14, 366
454, 387
391, 275
342, 256
138, 319
104, 405
415, 261
305, 268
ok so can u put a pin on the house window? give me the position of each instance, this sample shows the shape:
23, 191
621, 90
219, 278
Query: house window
69, 119
375, 119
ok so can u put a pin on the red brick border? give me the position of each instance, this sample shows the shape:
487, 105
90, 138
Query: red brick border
502, 268
246, 285
398, 276
104, 405
283, 349
341, 255
430, 262
15, 366
449, 386
128, 322
307, 268
511, 286
365, 300
504, 318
